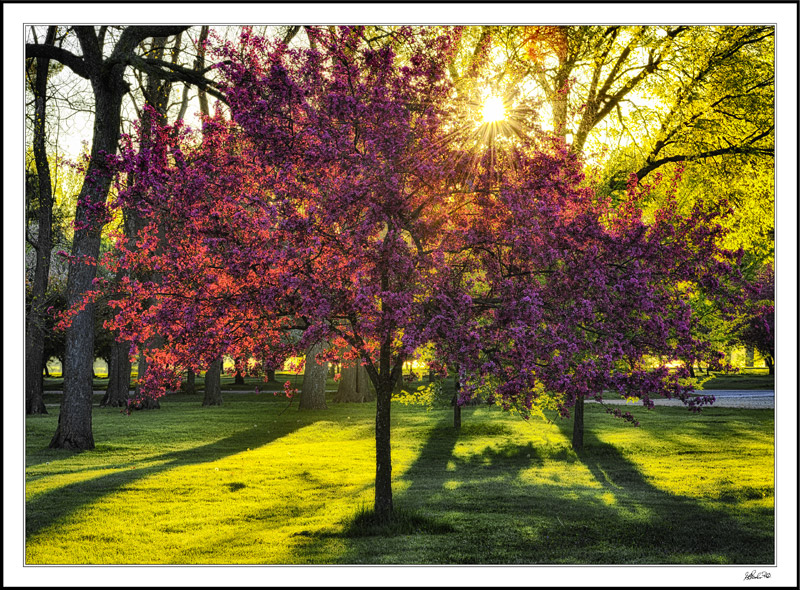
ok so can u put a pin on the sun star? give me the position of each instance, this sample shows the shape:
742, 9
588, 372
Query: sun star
493, 110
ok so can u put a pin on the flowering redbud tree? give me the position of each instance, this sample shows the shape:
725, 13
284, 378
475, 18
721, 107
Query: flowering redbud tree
334, 201
576, 297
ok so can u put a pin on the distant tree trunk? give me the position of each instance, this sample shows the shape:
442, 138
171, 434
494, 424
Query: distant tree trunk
456, 406
312, 394
271, 375
119, 377
189, 384
238, 378
213, 395
749, 355
770, 365
354, 386
577, 425
690, 367
34, 341
46, 369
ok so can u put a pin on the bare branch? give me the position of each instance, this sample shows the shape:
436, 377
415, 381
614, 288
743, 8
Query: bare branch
69, 59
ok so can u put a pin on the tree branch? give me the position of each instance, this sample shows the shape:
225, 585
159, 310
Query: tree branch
69, 59
734, 149
175, 72
132, 36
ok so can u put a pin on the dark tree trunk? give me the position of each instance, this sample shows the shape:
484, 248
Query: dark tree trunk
74, 429
213, 394
354, 386
770, 365
690, 366
384, 378
456, 406
238, 378
271, 375
119, 377
577, 425
312, 394
34, 343
189, 384
383, 451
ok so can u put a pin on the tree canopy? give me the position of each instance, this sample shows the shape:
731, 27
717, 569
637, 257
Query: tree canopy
355, 196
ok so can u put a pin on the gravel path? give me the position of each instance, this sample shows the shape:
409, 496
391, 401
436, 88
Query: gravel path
752, 399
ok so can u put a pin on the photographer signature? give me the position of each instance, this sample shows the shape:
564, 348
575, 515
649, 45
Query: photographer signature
756, 576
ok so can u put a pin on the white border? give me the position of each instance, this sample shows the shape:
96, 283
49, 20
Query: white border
784, 15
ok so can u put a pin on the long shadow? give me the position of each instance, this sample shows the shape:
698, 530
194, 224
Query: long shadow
433, 492
497, 513
437, 465
652, 521
49, 507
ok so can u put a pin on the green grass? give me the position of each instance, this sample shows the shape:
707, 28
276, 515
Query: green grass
744, 379
253, 481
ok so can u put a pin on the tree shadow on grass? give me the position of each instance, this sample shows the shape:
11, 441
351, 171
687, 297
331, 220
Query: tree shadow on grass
432, 507
50, 507
662, 527
511, 503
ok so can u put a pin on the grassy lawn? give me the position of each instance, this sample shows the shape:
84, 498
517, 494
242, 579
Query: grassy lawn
255, 482
744, 379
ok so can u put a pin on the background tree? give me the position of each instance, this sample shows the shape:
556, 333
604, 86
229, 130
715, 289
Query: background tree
213, 393
38, 72
104, 67
312, 393
354, 385
757, 327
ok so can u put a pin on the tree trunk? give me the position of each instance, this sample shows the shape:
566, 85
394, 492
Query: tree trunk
690, 367
770, 365
189, 384
213, 395
312, 395
749, 355
271, 375
354, 386
119, 377
456, 406
383, 450
577, 425
238, 378
74, 429
34, 342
